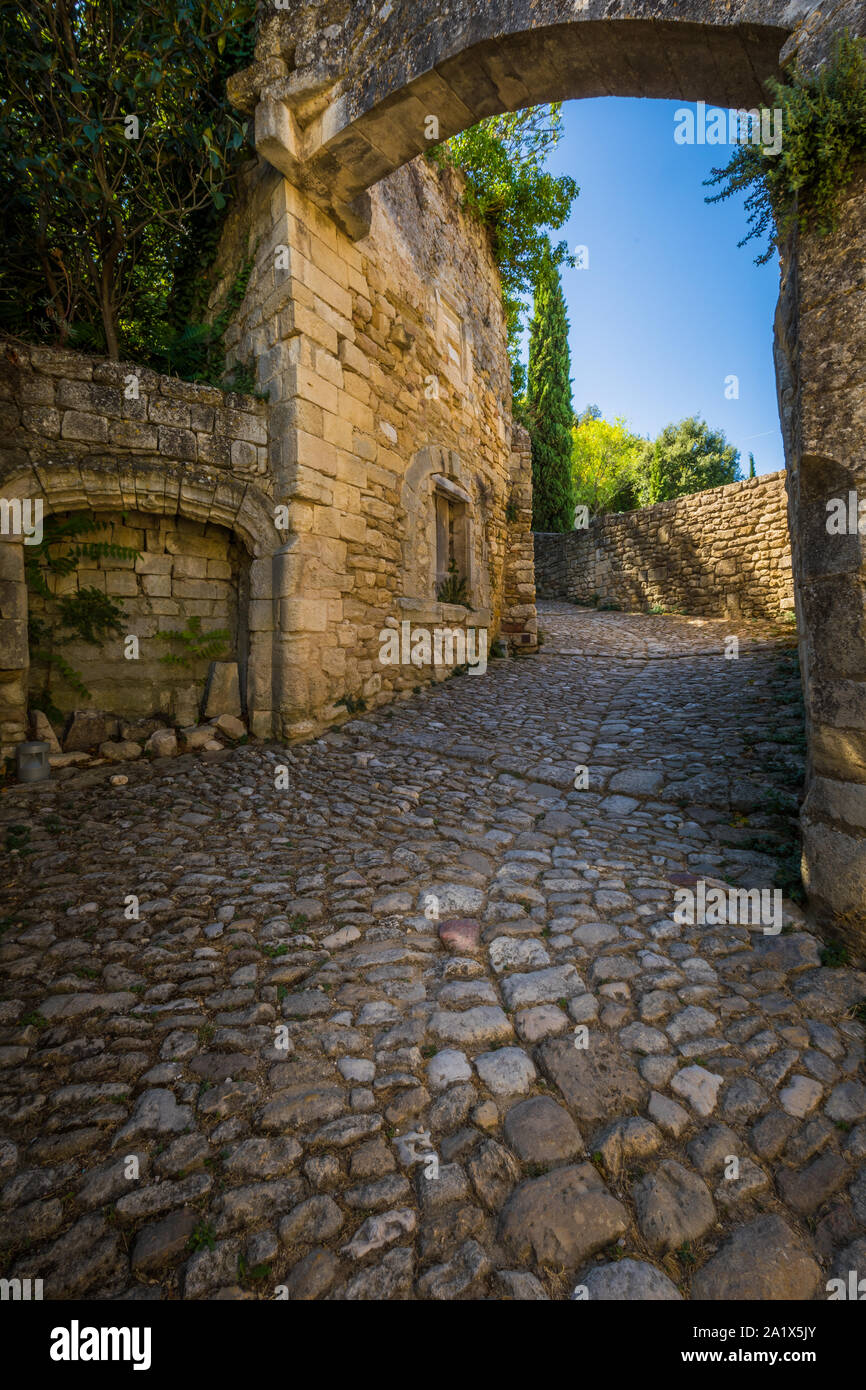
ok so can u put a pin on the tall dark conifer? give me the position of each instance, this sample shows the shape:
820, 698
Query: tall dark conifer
549, 402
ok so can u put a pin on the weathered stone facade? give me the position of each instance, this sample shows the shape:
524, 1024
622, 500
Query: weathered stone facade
821, 368
389, 387
184, 569
520, 622
720, 553
187, 466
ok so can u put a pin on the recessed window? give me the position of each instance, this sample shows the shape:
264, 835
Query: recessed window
452, 542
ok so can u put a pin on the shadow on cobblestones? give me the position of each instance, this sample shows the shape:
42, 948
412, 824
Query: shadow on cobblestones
431, 942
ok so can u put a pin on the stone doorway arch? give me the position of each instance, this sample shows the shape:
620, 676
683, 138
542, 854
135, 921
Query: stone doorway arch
343, 96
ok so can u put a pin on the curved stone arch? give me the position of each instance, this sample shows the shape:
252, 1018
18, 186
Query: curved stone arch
378, 82
159, 487
162, 488
419, 523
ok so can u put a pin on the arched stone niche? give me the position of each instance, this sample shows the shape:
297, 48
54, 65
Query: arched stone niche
438, 491
157, 490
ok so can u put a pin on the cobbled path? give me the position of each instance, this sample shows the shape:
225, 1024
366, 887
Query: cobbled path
219, 1099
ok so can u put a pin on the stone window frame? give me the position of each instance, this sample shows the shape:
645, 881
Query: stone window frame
436, 467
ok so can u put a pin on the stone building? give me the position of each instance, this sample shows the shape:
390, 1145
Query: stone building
303, 525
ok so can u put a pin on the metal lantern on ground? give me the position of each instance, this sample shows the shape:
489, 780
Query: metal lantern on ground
31, 762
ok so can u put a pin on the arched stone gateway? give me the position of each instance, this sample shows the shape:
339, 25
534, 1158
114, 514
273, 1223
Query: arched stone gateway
343, 95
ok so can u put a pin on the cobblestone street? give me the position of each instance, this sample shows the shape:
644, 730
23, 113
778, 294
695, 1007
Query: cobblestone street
419, 926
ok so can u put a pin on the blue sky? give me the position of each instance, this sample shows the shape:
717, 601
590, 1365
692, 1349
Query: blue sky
669, 306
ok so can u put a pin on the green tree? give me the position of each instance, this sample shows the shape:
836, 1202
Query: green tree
509, 190
115, 135
752, 470
549, 404
688, 457
606, 463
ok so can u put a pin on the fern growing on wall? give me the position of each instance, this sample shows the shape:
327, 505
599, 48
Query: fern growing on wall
453, 589
89, 615
195, 646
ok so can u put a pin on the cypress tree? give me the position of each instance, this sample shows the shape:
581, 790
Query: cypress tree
549, 401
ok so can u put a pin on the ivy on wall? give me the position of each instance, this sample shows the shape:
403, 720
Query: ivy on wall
509, 190
88, 615
823, 140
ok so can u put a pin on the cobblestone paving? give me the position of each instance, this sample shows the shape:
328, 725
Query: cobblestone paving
218, 1099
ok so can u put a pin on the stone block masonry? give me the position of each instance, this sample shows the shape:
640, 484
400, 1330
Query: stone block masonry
58, 406
390, 420
721, 553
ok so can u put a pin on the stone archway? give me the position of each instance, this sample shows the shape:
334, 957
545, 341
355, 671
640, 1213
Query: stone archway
162, 489
343, 97
338, 115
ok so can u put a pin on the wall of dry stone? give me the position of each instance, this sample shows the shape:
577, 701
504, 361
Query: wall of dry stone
63, 406
721, 553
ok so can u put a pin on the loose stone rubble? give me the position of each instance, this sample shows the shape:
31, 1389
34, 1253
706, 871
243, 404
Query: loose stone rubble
280, 1075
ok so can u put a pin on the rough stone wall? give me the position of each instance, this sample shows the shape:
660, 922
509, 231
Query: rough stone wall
56, 404
520, 617
821, 368
386, 367
184, 569
721, 553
